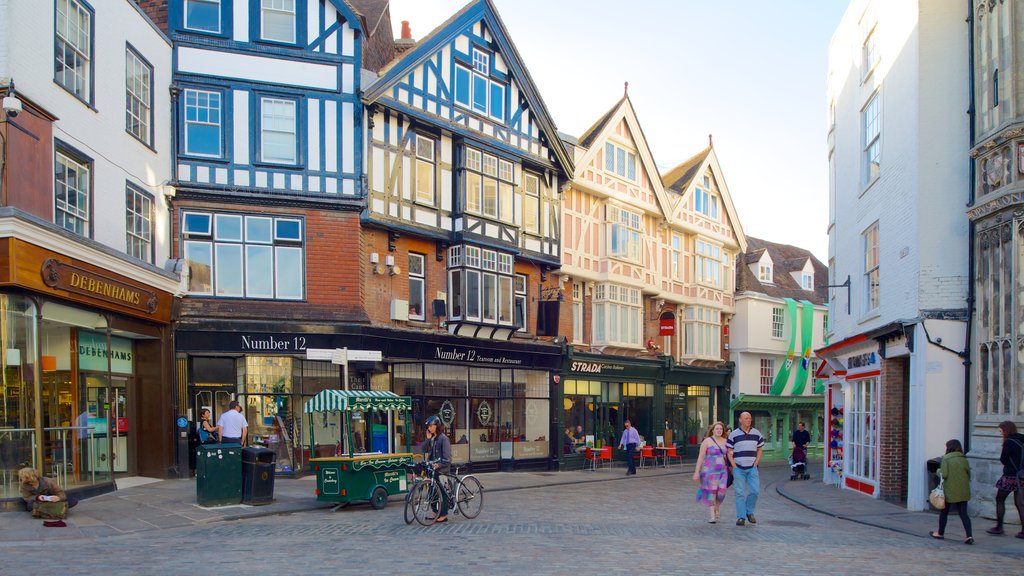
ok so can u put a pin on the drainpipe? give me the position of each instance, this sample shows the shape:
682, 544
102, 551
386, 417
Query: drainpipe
970, 226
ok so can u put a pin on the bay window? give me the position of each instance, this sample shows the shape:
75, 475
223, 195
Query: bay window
489, 185
618, 316
482, 286
624, 233
703, 332
709, 264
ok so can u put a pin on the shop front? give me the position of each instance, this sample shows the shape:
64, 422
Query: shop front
695, 397
86, 355
599, 393
494, 399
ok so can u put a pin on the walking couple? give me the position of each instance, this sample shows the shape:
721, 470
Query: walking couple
740, 452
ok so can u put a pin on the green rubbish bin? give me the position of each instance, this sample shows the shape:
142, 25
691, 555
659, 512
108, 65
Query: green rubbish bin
218, 474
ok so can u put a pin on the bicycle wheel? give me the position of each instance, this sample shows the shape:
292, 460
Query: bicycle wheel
409, 510
426, 500
470, 496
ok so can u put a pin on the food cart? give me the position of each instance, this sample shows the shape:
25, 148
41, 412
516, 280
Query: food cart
354, 473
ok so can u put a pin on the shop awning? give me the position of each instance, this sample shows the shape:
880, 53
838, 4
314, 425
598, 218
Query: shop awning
356, 401
745, 402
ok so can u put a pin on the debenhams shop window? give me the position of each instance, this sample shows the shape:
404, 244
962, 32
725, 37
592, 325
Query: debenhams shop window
489, 414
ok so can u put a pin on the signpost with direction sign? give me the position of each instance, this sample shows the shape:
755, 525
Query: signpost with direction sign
343, 356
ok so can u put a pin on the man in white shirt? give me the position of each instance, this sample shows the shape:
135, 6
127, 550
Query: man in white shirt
234, 428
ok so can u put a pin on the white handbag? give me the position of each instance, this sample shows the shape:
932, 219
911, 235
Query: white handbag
938, 496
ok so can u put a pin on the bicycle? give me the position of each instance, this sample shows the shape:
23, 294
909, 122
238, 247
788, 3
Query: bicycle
418, 474
465, 495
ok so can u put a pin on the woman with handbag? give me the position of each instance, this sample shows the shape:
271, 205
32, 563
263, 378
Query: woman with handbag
955, 475
712, 471
208, 433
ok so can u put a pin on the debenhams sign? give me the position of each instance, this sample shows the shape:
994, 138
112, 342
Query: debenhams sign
63, 276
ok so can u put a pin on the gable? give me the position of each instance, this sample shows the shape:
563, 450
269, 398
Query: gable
467, 76
702, 199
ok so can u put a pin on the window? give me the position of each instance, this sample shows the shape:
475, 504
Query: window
489, 185
624, 233
767, 374
706, 203
522, 281
861, 425
709, 264
72, 185
703, 332
73, 48
676, 256
481, 284
277, 20
278, 131
764, 273
531, 203
872, 279
619, 161
824, 323
870, 54
203, 15
202, 123
139, 224
995, 88
618, 317
807, 281
872, 127
577, 312
417, 283
424, 170
241, 256
476, 90
138, 96
778, 321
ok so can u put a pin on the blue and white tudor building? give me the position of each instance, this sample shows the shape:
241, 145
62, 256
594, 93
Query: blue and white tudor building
464, 171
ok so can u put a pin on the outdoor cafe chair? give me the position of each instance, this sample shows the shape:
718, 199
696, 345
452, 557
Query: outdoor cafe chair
606, 455
672, 452
647, 452
592, 457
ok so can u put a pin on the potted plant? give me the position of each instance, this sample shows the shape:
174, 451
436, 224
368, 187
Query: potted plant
693, 427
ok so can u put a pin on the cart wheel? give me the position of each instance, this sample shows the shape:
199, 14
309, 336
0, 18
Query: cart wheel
379, 498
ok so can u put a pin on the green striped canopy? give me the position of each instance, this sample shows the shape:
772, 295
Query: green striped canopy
356, 401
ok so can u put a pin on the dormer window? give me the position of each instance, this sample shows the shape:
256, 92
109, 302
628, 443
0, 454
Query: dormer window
764, 273
807, 281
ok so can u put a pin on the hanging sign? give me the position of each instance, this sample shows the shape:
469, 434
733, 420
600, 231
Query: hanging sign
667, 324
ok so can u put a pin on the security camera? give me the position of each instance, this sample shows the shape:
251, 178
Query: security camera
12, 106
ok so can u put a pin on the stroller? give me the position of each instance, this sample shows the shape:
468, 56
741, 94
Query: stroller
798, 464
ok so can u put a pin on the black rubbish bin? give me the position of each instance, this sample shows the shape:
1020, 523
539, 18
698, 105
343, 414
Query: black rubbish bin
933, 474
218, 474
258, 476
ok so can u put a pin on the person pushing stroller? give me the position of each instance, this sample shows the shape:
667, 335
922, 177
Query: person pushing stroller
798, 460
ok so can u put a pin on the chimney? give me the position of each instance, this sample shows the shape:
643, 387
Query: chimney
405, 42
406, 31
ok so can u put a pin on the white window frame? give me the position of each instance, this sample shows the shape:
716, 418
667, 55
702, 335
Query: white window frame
676, 256
73, 36
522, 284
624, 233
618, 316
869, 53
577, 311
417, 285
79, 212
778, 322
481, 70
531, 203
872, 268
861, 439
708, 263
273, 122
703, 328
278, 7
764, 273
138, 223
138, 96
490, 171
706, 202
807, 281
425, 152
767, 375
871, 127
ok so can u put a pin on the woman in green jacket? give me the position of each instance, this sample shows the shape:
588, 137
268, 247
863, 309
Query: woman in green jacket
956, 483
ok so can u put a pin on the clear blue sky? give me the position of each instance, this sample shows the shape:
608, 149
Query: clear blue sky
750, 72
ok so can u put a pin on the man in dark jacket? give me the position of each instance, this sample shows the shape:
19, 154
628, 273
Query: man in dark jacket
440, 452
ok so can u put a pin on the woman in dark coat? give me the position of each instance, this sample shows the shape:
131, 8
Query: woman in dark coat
1012, 458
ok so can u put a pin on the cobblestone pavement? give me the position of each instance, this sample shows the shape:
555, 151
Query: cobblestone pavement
635, 525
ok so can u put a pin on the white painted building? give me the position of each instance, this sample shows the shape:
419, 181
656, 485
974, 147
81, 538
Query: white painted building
781, 318
897, 142
110, 100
